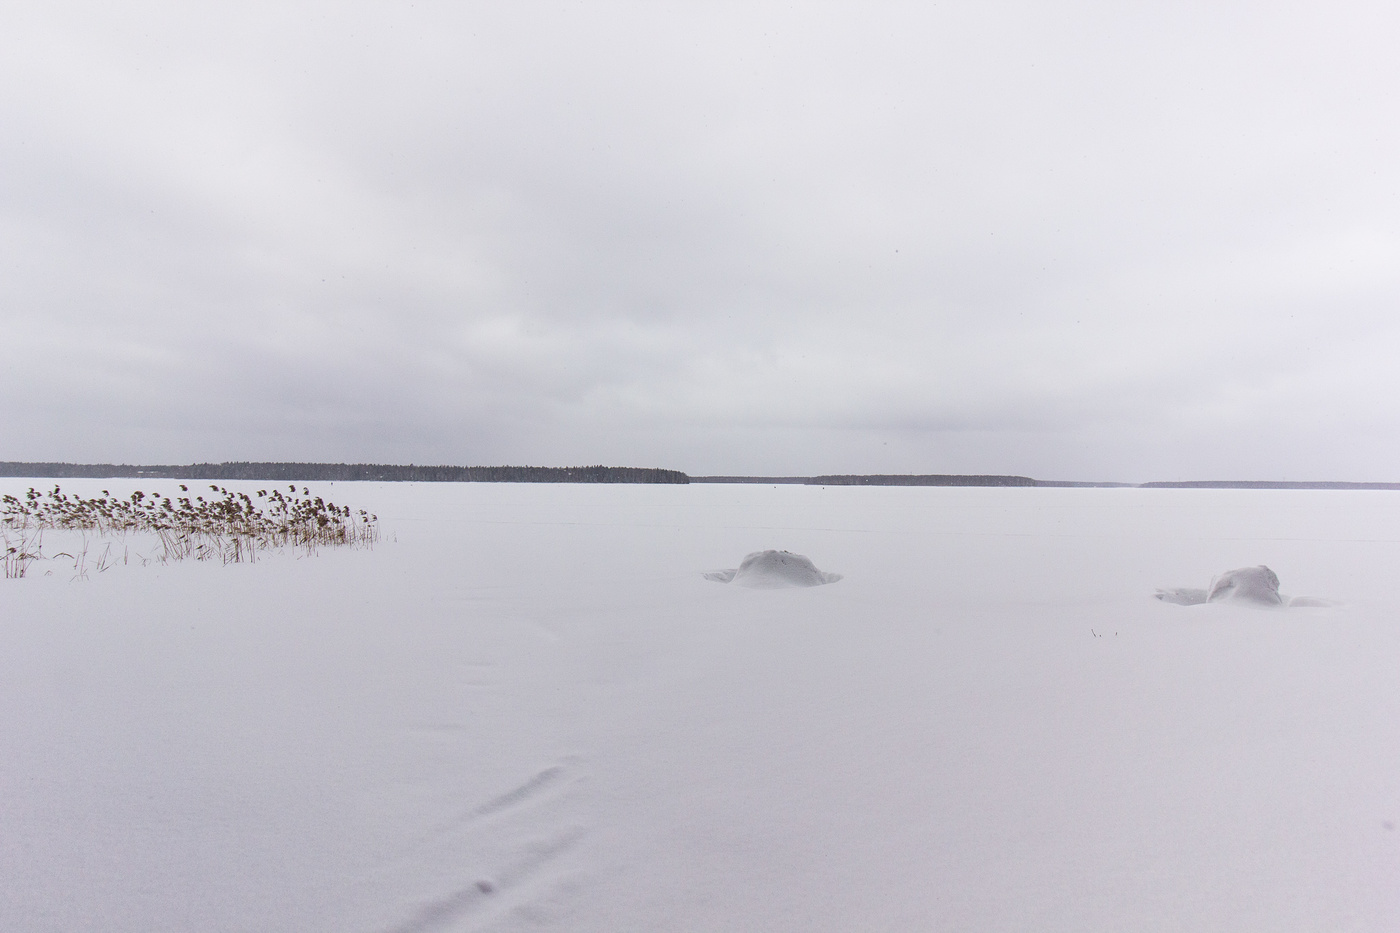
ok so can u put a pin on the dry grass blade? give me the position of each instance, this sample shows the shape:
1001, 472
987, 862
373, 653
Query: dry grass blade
20, 552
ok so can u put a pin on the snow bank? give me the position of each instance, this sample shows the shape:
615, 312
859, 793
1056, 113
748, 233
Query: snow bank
774, 570
1256, 586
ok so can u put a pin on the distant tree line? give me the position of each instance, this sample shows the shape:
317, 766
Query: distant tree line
764, 480
332, 472
930, 479
388, 472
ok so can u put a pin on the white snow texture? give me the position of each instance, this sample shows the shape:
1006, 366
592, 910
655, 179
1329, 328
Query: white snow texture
524, 709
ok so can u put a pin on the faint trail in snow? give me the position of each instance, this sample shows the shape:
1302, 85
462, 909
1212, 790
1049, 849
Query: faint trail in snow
499, 857
551, 782
522, 793
541, 783
510, 889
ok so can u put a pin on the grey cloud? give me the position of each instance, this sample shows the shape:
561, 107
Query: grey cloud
1085, 240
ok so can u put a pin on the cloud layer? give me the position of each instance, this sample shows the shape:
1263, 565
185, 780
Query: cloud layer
1086, 241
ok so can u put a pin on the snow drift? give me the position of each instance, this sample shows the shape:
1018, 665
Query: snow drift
774, 570
1252, 585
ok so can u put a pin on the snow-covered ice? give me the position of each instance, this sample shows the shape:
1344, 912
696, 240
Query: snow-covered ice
526, 709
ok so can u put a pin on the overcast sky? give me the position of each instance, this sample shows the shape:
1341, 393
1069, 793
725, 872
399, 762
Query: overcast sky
1120, 241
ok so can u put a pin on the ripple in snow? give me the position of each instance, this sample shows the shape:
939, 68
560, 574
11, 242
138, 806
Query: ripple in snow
1254, 585
773, 569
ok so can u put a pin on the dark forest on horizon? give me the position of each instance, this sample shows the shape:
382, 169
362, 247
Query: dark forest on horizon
388, 472
346, 472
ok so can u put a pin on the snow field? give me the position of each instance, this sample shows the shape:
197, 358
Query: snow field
527, 709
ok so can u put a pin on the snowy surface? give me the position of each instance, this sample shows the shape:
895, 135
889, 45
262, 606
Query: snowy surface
527, 709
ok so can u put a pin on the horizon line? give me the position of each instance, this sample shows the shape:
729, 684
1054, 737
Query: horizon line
320, 471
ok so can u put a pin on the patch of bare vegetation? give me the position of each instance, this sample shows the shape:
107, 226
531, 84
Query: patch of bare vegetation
227, 526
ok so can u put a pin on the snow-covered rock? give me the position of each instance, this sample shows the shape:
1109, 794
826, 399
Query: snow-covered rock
774, 569
1247, 584
1254, 585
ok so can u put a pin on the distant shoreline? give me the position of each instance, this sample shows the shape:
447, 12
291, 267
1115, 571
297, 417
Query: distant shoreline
1022, 481
382, 472
343, 472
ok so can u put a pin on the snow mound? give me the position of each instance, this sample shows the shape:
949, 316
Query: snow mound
1249, 584
774, 569
1253, 585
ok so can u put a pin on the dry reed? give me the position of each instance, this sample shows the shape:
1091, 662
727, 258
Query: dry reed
230, 526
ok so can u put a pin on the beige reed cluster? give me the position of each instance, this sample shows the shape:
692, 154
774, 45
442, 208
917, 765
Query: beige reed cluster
228, 526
